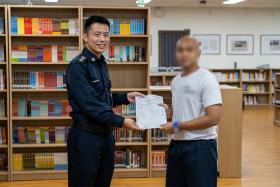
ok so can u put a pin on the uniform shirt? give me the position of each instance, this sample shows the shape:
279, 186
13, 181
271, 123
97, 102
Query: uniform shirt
191, 94
89, 91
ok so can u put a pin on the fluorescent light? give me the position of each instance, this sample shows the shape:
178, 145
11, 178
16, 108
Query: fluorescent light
231, 2
143, 1
51, 1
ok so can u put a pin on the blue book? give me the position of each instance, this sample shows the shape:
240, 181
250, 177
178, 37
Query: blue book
57, 108
15, 135
22, 104
118, 22
40, 54
2, 25
127, 53
14, 28
35, 108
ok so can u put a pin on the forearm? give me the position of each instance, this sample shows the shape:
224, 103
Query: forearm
119, 99
201, 123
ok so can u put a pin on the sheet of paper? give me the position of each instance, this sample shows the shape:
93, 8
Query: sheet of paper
148, 112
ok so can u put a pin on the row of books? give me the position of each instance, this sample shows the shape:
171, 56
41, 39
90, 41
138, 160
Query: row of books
45, 26
126, 26
38, 80
228, 76
125, 110
3, 135
2, 108
35, 107
159, 158
254, 88
130, 158
157, 135
44, 53
2, 52
251, 100
156, 83
39, 161
2, 25
124, 135
40, 135
254, 76
125, 53
3, 161
2, 79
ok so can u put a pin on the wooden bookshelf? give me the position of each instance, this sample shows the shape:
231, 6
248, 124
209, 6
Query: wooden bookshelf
264, 98
40, 40
121, 73
4, 94
277, 99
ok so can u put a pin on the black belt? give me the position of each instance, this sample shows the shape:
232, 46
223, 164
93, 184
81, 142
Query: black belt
102, 129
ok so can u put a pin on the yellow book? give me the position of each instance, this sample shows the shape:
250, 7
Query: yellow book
17, 162
35, 25
122, 27
20, 22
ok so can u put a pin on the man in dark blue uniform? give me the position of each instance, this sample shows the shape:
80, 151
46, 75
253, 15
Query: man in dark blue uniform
91, 144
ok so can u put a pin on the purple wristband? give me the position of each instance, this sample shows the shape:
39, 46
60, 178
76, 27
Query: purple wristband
175, 124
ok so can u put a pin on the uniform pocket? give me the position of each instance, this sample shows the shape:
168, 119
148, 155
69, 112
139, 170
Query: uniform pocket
97, 85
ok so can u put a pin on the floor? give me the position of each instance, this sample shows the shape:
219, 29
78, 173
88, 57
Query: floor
260, 163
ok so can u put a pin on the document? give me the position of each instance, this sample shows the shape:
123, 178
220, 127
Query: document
149, 114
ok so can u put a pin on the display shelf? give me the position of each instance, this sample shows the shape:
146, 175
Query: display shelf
41, 118
39, 90
38, 145
39, 63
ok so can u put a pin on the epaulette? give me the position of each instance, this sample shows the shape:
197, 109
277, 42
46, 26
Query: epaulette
82, 59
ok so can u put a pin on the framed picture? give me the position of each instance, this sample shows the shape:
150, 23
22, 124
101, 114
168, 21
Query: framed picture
210, 44
270, 44
240, 44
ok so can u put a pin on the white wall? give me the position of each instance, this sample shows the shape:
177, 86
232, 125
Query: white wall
220, 21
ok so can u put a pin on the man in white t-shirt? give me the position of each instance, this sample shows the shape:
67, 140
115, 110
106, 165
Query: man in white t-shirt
196, 101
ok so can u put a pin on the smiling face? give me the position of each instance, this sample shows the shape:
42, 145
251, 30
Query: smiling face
97, 38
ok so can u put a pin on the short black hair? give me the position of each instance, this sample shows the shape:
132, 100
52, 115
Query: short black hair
95, 19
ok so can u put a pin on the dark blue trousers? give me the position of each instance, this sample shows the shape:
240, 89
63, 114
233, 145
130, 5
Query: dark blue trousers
90, 158
192, 164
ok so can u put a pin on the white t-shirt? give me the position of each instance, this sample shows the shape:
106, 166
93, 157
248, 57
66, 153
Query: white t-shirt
191, 94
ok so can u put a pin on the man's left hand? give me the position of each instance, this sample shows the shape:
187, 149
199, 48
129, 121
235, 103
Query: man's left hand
167, 128
131, 96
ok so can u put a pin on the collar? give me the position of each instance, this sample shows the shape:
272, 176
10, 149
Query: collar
91, 56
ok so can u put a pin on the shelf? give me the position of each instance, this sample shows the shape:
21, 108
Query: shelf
258, 105
229, 81
131, 143
255, 81
160, 88
39, 90
4, 90
127, 63
276, 90
158, 169
277, 106
256, 93
42, 118
277, 122
40, 172
160, 143
43, 35
2, 34
3, 118
3, 146
39, 63
129, 36
130, 169
38, 145
129, 89
3, 173
3, 63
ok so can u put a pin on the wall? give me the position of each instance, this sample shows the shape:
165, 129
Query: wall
220, 21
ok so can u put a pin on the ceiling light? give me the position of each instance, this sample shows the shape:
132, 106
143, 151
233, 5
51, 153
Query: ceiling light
51, 1
231, 2
141, 3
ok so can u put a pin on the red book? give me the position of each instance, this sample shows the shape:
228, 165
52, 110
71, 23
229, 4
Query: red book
66, 108
4, 135
21, 135
59, 53
28, 26
47, 54
41, 25
15, 107
25, 25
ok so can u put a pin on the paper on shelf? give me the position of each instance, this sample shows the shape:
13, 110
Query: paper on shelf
148, 112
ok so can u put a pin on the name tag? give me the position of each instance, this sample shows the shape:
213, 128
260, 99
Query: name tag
95, 81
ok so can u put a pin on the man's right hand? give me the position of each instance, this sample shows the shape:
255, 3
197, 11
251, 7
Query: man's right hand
130, 125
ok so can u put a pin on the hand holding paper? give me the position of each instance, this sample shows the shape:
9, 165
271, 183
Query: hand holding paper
149, 113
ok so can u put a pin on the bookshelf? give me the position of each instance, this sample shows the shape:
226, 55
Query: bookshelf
4, 95
257, 85
276, 79
121, 73
48, 37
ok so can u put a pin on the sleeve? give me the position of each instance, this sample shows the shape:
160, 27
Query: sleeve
88, 99
211, 92
119, 99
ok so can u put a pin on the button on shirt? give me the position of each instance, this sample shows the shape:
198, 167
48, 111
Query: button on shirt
89, 91
191, 94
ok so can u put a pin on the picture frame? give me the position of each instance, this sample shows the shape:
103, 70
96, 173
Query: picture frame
270, 44
239, 44
210, 44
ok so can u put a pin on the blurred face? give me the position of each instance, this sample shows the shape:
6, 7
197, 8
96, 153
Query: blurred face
187, 52
97, 38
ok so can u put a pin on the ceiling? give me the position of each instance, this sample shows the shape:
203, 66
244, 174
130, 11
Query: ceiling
154, 3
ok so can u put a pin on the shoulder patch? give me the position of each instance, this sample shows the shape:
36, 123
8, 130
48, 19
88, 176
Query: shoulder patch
82, 59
